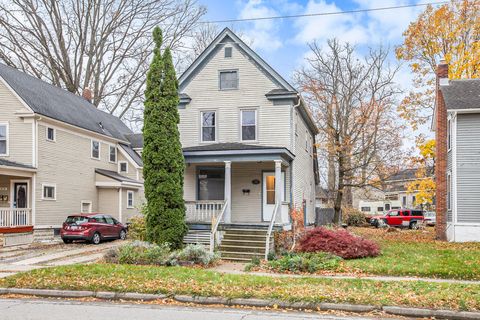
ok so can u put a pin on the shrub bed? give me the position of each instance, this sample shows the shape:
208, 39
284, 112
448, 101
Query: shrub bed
338, 242
144, 253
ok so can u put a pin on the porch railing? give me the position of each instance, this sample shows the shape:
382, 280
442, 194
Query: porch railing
270, 228
15, 217
203, 211
214, 235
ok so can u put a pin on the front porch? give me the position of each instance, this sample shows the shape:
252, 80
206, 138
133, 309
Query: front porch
243, 190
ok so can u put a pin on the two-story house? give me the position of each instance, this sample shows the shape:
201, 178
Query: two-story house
248, 141
60, 155
457, 165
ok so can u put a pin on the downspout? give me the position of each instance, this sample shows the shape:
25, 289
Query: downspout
294, 147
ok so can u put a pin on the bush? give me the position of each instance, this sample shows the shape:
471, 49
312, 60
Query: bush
137, 229
196, 254
139, 252
353, 217
338, 242
305, 262
254, 263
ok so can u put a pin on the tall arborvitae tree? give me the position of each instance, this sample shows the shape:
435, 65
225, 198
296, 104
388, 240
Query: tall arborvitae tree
163, 161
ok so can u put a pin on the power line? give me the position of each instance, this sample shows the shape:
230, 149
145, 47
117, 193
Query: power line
327, 13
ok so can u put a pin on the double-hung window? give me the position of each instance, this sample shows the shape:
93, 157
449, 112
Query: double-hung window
3, 139
249, 125
130, 201
228, 80
50, 134
95, 149
209, 123
113, 154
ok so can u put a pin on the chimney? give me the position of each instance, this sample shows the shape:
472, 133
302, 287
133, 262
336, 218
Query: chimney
87, 94
441, 150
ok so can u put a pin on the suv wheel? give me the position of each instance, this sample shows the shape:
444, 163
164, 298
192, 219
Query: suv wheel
123, 235
413, 225
96, 238
67, 241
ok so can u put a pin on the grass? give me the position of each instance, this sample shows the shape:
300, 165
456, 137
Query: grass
200, 282
416, 253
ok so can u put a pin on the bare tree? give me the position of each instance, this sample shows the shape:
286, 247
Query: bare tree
353, 100
100, 44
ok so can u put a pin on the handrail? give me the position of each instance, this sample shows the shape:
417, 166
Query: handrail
270, 228
215, 224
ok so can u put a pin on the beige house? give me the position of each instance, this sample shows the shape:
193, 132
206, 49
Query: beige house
60, 155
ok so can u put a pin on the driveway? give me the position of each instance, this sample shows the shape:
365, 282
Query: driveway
29, 257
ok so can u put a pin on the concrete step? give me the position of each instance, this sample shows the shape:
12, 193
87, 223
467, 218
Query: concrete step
240, 256
246, 231
231, 237
236, 248
240, 242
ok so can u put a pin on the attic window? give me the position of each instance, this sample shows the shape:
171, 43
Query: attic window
228, 52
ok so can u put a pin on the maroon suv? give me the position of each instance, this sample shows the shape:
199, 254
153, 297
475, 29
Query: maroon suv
93, 227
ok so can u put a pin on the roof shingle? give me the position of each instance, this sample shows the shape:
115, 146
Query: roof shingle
462, 94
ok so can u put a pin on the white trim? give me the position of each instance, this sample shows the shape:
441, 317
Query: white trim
454, 168
12, 190
256, 124
117, 184
128, 157
215, 126
34, 203
54, 134
449, 190
109, 153
472, 110
7, 138
82, 202
99, 149
130, 192
449, 133
54, 191
120, 165
120, 204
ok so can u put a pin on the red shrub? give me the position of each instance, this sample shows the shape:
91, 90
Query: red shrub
339, 242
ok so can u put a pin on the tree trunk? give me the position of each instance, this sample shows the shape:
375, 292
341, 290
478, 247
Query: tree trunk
339, 196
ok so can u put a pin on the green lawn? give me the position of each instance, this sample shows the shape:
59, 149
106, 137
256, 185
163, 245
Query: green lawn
182, 280
416, 253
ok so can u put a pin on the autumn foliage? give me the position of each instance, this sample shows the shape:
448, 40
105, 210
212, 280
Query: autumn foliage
339, 242
424, 184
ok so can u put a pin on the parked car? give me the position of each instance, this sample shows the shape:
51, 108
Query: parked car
430, 218
93, 227
411, 218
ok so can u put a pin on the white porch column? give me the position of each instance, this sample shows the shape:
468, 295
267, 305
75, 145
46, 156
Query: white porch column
227, 218
278, 185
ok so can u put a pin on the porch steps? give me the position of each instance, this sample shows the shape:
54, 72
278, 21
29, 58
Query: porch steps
243, 244
197, 237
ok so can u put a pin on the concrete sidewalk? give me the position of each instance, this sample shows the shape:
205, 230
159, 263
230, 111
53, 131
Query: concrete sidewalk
238, 268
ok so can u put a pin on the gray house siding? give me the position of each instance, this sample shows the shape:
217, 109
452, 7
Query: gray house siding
468, 168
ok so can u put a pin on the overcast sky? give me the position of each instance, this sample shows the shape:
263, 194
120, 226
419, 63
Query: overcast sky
283, 43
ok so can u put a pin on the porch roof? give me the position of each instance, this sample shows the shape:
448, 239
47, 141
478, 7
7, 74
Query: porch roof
219, 152
119, 180
15, 165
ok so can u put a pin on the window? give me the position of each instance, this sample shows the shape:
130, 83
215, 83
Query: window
365, 209
109, 219
387, 206
449, 191
113, 154
394, 213
50, 134
86, 207
228, 52
49, 192
3, 139
414, 199
404, 201
228, 80
379, 209
98, 219
211, 184
449, 134
130, 203
209, 122
95, 149
249, 125
123, 166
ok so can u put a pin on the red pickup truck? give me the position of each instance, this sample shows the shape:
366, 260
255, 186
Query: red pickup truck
410, 218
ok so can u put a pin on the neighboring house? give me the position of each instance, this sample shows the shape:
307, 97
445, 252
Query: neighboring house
60, 155
457, 172
392, 195
322, 198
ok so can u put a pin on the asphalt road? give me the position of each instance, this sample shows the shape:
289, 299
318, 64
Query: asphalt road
33, 309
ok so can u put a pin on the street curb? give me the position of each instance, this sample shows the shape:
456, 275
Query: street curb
251, 302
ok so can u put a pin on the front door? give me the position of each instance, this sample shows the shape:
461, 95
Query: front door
20, 195
269, 194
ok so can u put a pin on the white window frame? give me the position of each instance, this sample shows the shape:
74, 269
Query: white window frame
130, 192
256, 124
215, 126
54, 134
50, 185
120, 166
109, 153
86, 202
225, 52
99, 149
7, 138
220, 79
